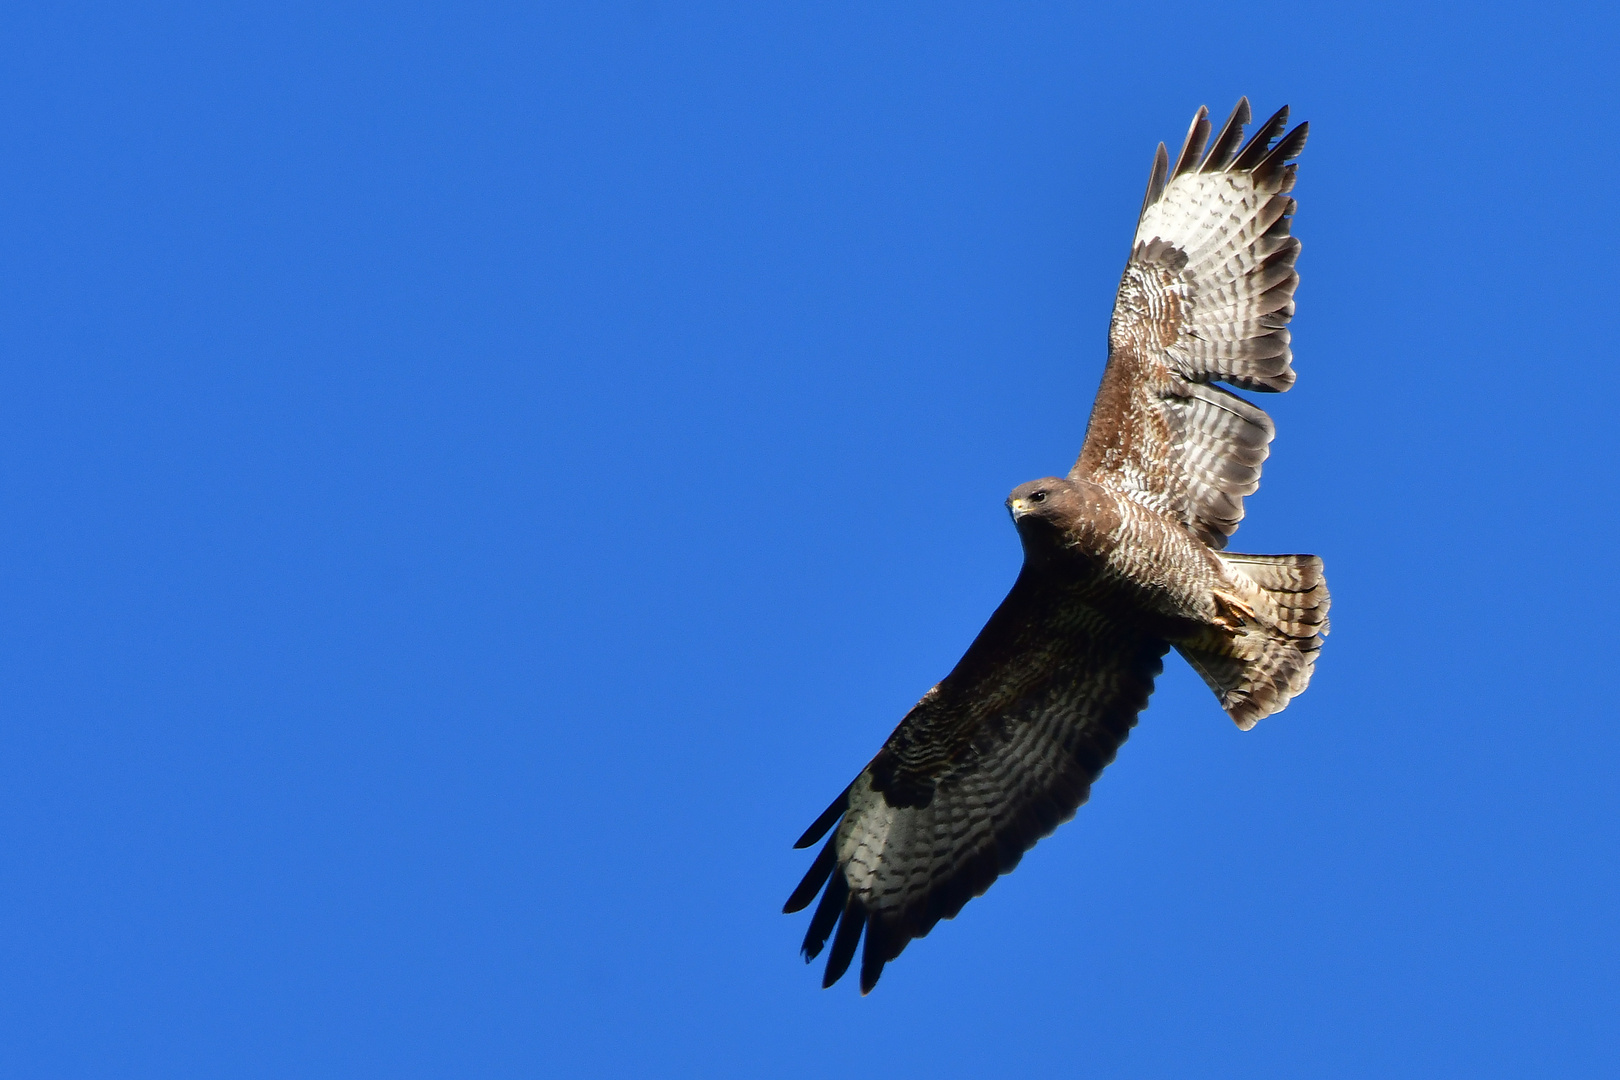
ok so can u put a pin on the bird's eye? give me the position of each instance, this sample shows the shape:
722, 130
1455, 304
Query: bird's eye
1039, 496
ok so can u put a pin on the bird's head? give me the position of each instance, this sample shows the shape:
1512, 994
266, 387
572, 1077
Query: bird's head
1045, 503
1055, 514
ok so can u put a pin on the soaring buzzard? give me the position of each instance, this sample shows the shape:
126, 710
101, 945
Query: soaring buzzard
1122, 560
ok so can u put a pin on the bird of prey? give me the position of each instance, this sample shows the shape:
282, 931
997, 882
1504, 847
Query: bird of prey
1123, 560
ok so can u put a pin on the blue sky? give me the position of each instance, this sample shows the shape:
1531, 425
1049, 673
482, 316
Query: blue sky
475, 480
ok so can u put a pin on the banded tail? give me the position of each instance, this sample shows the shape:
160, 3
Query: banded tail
1265, 654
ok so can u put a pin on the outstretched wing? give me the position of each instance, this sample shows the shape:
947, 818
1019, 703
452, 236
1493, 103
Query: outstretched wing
1206, 297
995, 757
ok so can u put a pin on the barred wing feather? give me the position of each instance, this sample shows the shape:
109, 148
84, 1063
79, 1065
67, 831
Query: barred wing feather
995, 757
1206, 297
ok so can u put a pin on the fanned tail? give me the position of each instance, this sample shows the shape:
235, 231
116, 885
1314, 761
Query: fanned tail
1265, 655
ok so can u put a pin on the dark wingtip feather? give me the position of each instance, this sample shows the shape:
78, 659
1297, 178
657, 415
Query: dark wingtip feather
880, 941
820, 871
1255, 149
1156, 178
829, 817
1288, 148
1225, 146
844, 943
827, 912
1197, 135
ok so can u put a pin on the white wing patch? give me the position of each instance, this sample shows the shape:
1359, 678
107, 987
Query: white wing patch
1236, 297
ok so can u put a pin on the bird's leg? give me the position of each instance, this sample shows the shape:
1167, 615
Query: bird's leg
1232, 613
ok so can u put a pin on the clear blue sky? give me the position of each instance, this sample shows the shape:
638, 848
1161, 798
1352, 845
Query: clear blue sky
475, 480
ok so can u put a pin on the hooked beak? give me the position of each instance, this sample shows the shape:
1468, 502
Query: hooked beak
1017, 507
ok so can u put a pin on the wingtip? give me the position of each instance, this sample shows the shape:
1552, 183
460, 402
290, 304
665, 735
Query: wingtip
1287, 149
878, 952
845, 941
1259, 144
1225, 146
1156, 180
1193, 148
820, 870
826, 917
829, 817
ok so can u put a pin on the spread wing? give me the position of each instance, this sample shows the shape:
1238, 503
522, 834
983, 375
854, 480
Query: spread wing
1206, 297
995, 757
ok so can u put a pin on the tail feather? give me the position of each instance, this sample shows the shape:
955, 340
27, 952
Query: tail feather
1295, 586
1266, 660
